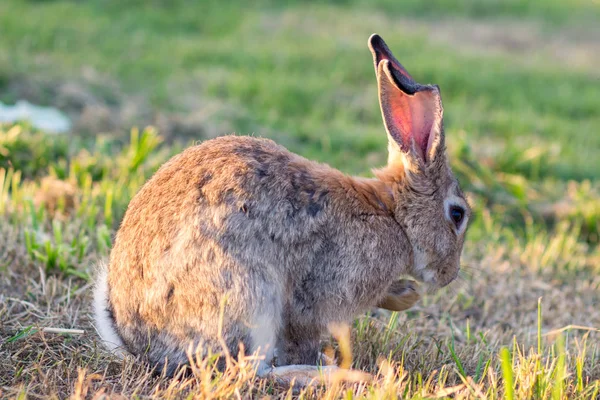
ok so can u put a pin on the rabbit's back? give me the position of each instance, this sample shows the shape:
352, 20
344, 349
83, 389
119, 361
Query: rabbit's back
217, 219
231, 191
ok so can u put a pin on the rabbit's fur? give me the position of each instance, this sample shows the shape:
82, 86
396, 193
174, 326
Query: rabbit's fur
239, 240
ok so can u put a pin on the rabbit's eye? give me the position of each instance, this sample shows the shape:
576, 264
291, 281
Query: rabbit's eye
457, 214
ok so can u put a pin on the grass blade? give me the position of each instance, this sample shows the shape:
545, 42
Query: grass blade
507, 374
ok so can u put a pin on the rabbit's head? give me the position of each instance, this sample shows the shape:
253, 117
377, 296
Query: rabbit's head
429, 204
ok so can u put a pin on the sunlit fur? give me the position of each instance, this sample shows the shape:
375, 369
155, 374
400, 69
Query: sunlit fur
238, 241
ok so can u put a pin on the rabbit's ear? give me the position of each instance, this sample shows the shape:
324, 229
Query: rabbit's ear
381, 51
412, 112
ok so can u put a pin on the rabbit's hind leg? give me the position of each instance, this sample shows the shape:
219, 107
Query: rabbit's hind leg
297, 358
299, 344
300, 376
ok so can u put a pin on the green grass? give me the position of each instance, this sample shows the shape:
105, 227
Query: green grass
302, 73
521, 129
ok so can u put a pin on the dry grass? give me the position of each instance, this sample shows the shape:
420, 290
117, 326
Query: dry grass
449, 345
411, 353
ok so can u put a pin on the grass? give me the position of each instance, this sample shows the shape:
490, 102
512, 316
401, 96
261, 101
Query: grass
523, 320
199, 60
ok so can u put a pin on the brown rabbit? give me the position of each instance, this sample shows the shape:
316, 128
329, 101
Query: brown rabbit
237, 240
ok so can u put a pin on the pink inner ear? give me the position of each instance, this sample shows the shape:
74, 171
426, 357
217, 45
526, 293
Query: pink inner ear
410, 110
412, 117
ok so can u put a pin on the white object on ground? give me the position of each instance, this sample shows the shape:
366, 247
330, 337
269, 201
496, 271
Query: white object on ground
60, 330
47, 119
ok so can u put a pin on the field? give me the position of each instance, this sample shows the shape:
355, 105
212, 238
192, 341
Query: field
144, 79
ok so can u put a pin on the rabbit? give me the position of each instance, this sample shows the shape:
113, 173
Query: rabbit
238, 242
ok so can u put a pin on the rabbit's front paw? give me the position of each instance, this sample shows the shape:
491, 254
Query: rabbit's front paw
402, 295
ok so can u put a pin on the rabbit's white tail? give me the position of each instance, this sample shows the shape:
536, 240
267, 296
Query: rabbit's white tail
102, 315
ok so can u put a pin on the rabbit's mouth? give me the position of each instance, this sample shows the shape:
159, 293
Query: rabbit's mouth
432, 277
427, 277
433, 270
424, 275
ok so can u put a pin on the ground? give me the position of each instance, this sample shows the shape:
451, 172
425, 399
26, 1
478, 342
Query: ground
519, 84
